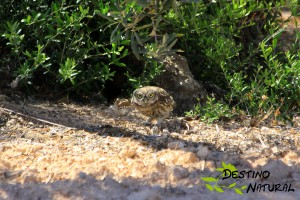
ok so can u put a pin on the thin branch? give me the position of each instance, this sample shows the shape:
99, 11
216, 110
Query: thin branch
39, 120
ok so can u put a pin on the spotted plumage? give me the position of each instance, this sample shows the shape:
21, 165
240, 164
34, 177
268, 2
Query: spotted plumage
153, 102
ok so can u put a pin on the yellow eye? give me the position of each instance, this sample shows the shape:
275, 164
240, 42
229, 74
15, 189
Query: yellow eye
139, 96
150, 95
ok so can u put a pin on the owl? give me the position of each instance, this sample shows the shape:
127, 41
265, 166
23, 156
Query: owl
153, 102
122, 106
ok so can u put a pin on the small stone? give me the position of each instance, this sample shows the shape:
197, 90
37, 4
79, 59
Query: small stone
266, 130
176, 145
202, 152
145, 195
162, 140
160, 167
188, 158
127, 152
217, 156
3, 97
165, 132
175, 135
210, 165
15, 83
274, 149
82, 175
155, 130
175, 173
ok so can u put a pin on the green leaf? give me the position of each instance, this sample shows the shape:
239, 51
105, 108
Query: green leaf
238, 191
209, 187
142, 27
172, 43
165, 39
109, 18
134, 47
224, 165
124, 54
220, 169
232, 185
27, 53
229, 166
218, 189
37, 16
26, 20
114, 34
138, 39
232, 168
209, 179
244, 187
81, 9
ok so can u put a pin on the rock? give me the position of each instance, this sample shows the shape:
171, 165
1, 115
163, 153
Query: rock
127, 153
176, 173
145, 195
217, 156
210, 165
266, 130
179, 81
159, 166
176, 145
3, 97
165, 132
178, 157
154, 130
202, 152
188, 158
175, 135
278, 170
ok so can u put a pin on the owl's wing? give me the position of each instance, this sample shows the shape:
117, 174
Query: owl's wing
166, 99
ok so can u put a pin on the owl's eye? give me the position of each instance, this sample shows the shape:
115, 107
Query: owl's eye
139, 96
150, 95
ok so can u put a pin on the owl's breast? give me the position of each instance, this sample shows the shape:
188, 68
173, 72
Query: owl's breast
155, 110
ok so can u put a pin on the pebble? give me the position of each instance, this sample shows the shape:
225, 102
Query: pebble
176, 145
177, 172
202, 152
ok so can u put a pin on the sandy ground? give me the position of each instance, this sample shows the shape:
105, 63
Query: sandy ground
69, 151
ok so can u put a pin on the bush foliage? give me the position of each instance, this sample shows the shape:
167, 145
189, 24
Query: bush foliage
84, 47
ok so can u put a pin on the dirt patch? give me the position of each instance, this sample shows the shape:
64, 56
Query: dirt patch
69, 151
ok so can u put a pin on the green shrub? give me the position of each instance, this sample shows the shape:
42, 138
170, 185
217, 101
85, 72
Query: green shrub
141, 22
212, 111
233, 45
61, 45
86, 46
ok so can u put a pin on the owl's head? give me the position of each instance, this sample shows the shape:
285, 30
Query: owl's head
145, 96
